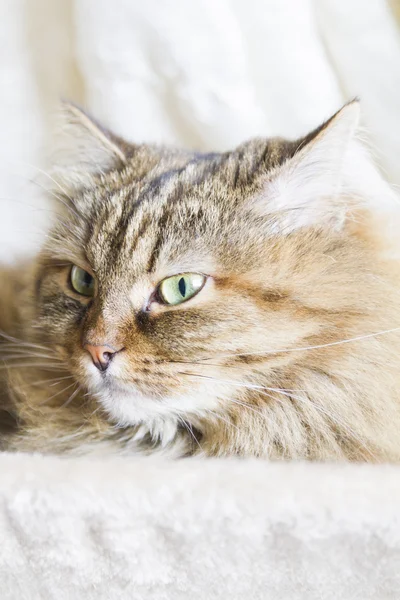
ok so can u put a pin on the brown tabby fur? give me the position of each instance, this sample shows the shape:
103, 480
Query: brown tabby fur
289, 351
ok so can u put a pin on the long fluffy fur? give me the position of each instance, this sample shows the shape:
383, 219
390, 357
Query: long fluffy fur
291, 350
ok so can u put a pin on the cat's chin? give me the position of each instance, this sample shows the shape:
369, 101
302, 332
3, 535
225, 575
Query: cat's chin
124, 403
129, 407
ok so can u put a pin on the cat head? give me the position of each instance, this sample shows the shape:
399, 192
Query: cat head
178, 285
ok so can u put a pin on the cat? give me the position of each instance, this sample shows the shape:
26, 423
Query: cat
237, 303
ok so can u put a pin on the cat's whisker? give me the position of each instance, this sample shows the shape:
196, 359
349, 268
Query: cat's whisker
19, 342
51, 382
10, 360
18, 346
58, 393
60, 380
250, 386
96, 410
189, 429
27, 355
260, 389
193, 436
305, 348
14, 346
72, 397
21, 353
45, 366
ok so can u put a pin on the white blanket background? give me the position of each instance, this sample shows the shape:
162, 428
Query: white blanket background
206, 74
74, 529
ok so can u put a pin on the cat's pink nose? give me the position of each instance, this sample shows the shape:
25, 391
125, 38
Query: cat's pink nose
101, 355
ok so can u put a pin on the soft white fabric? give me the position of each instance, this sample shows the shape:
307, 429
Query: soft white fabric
79, 529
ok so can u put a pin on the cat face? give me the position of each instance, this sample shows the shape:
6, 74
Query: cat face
179, 285
172, 227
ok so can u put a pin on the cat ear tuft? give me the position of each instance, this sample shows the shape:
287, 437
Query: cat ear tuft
309, 188
83, 148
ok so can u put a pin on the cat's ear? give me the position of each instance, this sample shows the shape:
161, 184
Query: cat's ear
83, 148
311, 187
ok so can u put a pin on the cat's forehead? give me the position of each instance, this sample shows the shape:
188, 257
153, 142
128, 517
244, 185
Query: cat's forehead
168, 210
159, 218
155, 163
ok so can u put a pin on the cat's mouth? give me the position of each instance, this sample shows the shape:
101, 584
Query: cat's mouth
131, 395
138, 382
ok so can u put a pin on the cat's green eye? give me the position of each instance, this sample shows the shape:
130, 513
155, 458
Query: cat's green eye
82, 281
179, 288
